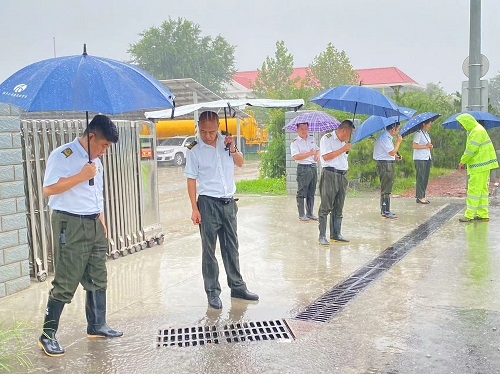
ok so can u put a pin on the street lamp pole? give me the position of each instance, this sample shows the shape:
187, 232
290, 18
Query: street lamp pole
474, 102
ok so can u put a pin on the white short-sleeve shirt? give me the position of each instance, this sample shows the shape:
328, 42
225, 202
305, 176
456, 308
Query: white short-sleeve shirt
300, 145
383, 145
422, 138
212, 167
329, 143
66, 161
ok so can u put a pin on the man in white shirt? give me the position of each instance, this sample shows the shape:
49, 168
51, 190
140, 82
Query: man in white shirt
210, 174
304, 151
333, 182
385, 152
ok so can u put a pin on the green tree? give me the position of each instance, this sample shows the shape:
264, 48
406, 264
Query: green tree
274, 77
331, 68
494, 91
177, 49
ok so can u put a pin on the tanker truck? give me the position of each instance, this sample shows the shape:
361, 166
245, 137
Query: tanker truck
252, 137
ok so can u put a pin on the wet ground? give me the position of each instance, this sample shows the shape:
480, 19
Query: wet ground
437, 310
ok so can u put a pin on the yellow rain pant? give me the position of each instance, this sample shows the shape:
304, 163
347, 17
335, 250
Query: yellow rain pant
477, 195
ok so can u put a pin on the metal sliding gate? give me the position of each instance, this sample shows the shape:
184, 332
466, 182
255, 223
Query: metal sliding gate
130, 188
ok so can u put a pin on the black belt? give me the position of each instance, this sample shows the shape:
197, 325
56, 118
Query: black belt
86, 216
386, 161
329, 168
222, 200
307, 165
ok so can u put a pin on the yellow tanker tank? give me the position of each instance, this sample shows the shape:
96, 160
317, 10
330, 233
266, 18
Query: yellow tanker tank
249, 129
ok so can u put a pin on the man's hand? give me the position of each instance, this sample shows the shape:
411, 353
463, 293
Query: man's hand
430, 146
196, 217
229, 139
88, 171
347, 147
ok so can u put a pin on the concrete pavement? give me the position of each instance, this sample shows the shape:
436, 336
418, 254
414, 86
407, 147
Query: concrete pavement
435, 311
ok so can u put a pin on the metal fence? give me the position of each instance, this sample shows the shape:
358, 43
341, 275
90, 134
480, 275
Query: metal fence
130, 188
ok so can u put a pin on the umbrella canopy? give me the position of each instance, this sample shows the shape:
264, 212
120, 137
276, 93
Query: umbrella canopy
376, 123
84, 83
413, 123
317, 121
488, 120
357, 99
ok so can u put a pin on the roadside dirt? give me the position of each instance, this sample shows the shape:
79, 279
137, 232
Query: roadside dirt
451, 185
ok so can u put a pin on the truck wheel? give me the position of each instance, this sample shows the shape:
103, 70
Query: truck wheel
179, 159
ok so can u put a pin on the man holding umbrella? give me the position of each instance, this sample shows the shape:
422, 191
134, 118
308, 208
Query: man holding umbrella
385, 152
79, 231
333, 182
480, 158
304, 151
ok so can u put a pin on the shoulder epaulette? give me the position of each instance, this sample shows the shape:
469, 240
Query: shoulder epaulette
190, 146
329, 135
294, 140
67, 152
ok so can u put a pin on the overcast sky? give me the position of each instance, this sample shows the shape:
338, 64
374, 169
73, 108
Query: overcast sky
426, 39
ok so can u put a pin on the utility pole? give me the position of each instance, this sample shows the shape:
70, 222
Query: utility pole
474, 102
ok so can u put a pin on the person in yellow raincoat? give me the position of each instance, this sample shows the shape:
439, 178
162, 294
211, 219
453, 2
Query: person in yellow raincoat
479, 157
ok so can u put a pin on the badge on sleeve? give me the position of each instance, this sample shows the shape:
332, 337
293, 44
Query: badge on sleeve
191, 145
329, 135
67, 152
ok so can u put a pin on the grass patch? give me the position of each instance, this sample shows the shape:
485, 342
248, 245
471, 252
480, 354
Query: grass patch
262, 186
13, 348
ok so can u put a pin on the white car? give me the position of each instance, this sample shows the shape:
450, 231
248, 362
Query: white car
173, 150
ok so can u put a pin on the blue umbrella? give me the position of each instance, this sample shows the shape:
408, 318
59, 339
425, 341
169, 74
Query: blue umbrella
317, 121
488, 120
84, 83
376, 123
412, 124
357, 99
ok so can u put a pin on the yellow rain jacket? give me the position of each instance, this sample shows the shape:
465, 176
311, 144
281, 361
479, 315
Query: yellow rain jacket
479, 154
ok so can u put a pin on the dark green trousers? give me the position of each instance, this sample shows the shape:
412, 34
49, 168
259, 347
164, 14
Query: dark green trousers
219, 220
386, 175
422, 169
332, 188
80, 247
306, 183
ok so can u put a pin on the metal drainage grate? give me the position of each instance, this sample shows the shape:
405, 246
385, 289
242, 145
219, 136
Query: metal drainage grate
326, 306
231, 333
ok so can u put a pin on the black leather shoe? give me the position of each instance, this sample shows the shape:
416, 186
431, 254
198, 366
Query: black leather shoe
419, 201
244, 294
339, 238
215, 302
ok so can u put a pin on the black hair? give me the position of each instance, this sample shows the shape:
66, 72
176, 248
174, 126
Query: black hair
208, 115
392, 126
346, 124
103, 127
303, 123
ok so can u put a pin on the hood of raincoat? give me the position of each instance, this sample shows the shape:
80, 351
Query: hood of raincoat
467, 121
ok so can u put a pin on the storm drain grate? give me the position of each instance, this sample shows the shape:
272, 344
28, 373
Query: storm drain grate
230, 333
327, 305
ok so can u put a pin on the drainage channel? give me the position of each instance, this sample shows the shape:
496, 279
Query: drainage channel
231, 333
332, 302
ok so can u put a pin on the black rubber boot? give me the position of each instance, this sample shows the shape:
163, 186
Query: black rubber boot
300, 207
322, 230
95, 309
337, 236
48, 341
309, 209
386, 213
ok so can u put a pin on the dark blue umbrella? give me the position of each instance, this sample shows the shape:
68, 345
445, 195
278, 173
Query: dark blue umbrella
317, 122
413, 123
357, 99
488, 120
376, 123
84, 83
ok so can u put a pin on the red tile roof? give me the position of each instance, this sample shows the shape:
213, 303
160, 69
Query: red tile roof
368, 77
